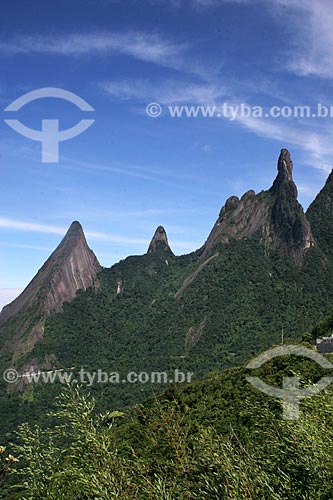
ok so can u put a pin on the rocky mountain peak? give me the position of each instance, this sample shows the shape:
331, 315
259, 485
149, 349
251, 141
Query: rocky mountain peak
285, 164
289, 222
74, 236
285, 174
71, 267
248, 194
75, 230
232, 203
275, 215
159, 241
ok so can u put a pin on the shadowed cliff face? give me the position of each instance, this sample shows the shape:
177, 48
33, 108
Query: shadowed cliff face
71, 267
275, 215
239, 218
290, 224
320, 215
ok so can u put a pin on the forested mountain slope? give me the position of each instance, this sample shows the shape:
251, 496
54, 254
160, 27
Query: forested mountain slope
263, 270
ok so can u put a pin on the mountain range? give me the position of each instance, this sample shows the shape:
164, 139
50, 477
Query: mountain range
265, 268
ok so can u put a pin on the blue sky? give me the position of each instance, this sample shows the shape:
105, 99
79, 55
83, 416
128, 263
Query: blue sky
130, 173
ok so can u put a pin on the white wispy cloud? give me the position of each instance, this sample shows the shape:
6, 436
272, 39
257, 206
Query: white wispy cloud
32, 227
161, 175
308, 191
149, 47
317, 145
314, 43
143, 46
7, 295
309, 23
25, 246
166, 92
120, 215
310, 136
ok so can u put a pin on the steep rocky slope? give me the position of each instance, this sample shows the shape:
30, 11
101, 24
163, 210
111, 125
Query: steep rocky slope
71, 267
320, 216
275, 215
262, 270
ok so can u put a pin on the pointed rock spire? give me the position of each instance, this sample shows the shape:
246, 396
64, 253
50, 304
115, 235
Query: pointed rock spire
275, 214
75, 230
71, 267
285, 174
159, 241
289, 221
285, 165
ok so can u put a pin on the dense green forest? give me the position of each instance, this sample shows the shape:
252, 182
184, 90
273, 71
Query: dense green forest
235, 308
208, 313
217, 438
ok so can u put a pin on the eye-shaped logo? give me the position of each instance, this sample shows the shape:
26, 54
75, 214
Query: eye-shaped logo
50, 136
291, 394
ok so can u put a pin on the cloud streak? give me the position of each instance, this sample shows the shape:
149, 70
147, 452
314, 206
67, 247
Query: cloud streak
148, 47
32, 227
7, 295
145, 47
310, 25
318, 145
313, 53
166, 92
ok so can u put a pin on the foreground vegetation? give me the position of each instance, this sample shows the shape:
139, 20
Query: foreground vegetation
214, 439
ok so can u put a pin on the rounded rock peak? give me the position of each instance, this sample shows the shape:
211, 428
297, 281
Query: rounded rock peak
285, 164
232, 202
160, 230
75, 231
249, 194
284, 177
285, 152
159, 239
76, 225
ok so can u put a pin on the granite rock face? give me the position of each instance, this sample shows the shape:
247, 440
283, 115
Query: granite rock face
320, 215
290, 224
273, 218
159, 241
71, 267
275, 215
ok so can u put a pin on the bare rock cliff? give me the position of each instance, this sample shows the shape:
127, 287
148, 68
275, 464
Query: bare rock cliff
275, 215
159, 241
71, 267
